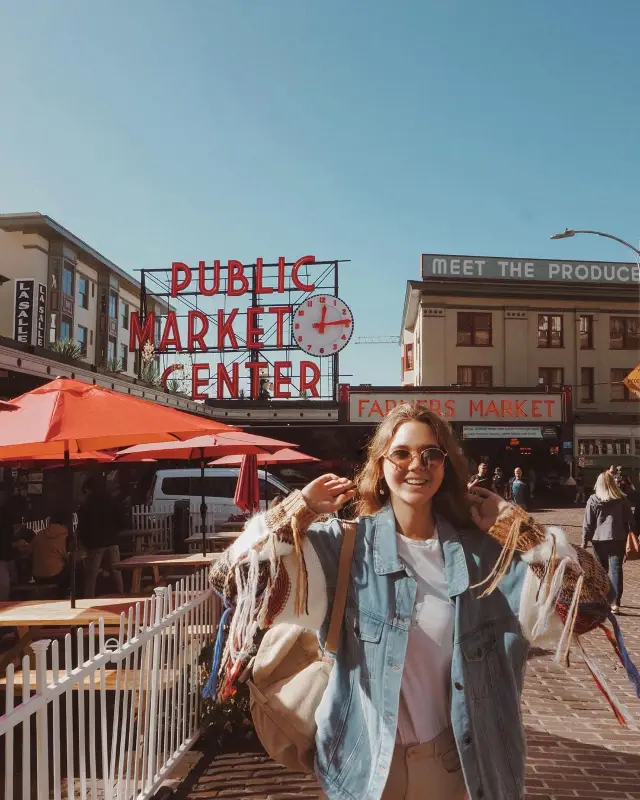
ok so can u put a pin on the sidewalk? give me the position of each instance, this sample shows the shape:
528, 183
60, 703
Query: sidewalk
577, 749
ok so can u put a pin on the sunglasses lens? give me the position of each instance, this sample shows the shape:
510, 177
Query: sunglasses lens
432, 457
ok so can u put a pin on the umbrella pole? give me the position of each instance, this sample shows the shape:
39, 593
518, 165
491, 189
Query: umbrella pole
203, 505
68, 489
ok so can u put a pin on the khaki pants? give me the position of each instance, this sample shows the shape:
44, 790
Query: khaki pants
429, 771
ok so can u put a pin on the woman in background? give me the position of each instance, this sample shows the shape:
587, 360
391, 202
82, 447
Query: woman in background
607, 521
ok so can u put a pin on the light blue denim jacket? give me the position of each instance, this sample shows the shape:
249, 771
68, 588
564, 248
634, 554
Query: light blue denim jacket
358, 716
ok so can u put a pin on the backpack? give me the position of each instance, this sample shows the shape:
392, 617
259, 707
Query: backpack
289, 675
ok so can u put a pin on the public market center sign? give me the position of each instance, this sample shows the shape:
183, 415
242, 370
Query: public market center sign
532, 269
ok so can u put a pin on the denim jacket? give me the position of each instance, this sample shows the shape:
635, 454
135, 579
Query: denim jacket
358, 716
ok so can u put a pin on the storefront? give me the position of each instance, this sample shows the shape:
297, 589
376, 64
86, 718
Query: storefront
506, 428
598, 447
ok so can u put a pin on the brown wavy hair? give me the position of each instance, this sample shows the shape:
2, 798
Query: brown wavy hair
450, 501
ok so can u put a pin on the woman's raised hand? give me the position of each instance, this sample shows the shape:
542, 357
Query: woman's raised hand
328, 493
485, 507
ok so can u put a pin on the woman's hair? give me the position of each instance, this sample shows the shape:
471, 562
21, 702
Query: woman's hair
606, 488
450, 501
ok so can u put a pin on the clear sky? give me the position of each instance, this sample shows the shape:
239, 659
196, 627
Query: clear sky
373, 130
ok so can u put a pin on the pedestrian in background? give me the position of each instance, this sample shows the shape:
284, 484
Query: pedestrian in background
498, 483
100, 520
481, 479
520, 492
607, 521
51, 554
579, 486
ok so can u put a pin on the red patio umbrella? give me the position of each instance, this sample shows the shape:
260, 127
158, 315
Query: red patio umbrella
67, 416
247, 495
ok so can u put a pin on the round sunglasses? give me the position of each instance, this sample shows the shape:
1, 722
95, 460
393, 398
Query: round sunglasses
429, 458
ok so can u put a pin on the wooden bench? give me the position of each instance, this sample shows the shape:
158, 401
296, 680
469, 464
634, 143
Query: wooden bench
110, 676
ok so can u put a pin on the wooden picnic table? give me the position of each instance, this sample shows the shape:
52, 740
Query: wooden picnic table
31, 616
162, 561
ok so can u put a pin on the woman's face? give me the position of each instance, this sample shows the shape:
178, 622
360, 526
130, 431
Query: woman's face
416, 484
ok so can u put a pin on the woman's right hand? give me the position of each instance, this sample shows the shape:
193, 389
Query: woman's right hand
328, 493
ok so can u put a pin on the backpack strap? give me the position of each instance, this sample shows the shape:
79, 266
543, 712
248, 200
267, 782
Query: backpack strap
342, 585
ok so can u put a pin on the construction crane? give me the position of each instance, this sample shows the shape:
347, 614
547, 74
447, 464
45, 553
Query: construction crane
377, 340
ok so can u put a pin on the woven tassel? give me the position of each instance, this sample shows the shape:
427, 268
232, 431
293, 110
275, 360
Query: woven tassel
545, 583
622, 714
548, 607
210, 687
504, 560
301, 599
564, 645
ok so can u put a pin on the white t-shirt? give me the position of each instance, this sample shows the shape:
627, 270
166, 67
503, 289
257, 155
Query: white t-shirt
425, 688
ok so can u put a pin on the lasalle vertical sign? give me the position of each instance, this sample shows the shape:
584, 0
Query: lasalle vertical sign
29, 316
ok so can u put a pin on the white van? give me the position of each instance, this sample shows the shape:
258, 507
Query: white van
220, 483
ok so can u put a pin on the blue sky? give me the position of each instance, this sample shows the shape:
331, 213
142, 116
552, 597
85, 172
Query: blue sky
363, 129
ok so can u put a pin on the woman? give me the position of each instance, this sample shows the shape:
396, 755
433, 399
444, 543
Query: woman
423, 700
498, 483
607, 521
50, 555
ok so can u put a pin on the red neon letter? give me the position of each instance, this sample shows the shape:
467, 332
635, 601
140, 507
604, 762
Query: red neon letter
167, 372
137, 335
197, 337
254, 333
171, 335
309, 384
259, 288
361, 406
304, 287
216, 279
223, 380
254, 368
281, 274
225, 328
280, 380
197, 381
236, 275
280, 312
177, 285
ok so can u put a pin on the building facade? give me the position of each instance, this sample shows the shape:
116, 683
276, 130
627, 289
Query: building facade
84, 297
477, 323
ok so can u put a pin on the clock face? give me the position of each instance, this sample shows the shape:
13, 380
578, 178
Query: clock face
322, 325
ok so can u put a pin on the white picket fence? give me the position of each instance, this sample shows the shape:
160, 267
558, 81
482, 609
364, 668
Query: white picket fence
40, 524
109, 717
157, 521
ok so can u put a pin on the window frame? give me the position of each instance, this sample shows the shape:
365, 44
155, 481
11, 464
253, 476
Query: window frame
409, 361
547, 343
83, 297
552, 384
627, 342
627, 395
67, 270
124, 356
588, 333
69, 324
475, 384
474, 329
590, 385
84, 343
112, 297
124, 318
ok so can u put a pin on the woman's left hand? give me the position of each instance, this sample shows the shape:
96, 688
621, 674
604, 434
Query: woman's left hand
486, 507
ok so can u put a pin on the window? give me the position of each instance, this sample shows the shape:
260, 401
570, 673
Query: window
124, 354
111, 351
479, 377
587, 384
65, 330
586, 332
624, 333
474, 330
408, 357
550, 331
604, 447
67, 280
124, 315
553, 377
113, 305
81, 338
83, 292
619, 392
184, 486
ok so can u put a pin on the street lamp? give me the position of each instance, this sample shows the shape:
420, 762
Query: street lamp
569, 233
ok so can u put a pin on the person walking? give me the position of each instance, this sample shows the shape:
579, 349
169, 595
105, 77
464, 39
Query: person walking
100, 520
519, 489
498, 483
481, 479
580, 490
423, 700
607, 521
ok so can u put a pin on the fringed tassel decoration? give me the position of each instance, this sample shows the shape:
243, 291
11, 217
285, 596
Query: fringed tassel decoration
301, 599
548, 607
504, 560
622, 714
623, 654
545, 583
210, 687
564, 645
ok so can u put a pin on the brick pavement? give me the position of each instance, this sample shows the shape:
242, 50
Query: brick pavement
576, 747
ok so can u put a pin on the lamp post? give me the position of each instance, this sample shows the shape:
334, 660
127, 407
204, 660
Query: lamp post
568, 233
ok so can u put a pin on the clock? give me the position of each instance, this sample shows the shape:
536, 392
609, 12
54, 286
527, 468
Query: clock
322, 325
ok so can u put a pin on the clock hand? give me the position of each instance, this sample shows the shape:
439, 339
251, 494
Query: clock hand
345, 322
321, 325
